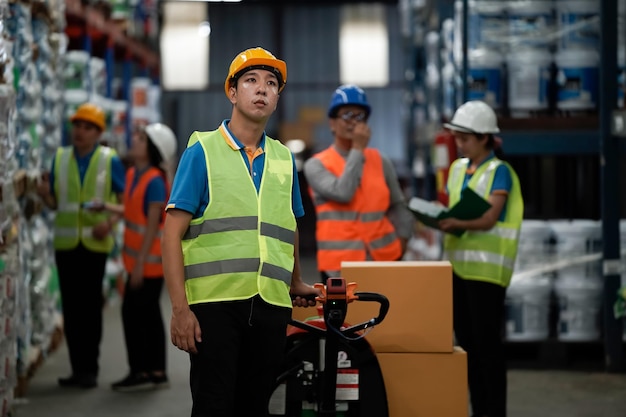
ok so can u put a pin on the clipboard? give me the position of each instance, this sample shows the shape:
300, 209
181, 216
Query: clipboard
470, 206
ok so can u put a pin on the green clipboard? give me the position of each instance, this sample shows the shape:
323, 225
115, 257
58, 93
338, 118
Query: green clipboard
470, 206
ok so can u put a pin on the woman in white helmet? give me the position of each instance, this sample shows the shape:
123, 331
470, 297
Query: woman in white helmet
147, 191
483, 257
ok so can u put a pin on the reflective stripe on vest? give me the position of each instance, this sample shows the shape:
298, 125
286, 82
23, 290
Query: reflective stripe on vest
139, 228
136, 223
72, 224
485, 255
243, 244
359, 229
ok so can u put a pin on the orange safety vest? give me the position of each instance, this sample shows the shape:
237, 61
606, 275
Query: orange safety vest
349, 231
136, 222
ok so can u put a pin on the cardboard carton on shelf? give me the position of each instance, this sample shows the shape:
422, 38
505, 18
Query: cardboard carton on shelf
304, 131
312, 114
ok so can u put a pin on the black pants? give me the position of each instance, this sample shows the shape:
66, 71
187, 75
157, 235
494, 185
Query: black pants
234, 372
478, 317
81, 272
144, 330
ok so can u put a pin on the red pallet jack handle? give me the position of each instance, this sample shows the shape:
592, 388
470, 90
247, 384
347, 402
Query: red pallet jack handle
335, 296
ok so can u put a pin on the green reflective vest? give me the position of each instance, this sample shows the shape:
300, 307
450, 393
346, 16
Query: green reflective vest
485, 255
243, 244
72, 224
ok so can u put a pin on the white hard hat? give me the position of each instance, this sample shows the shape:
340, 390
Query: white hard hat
164, 139
474, 117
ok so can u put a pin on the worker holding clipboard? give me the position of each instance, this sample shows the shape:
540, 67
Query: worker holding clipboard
482, 227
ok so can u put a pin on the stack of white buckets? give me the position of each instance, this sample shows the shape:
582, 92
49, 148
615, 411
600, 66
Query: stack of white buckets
529, 36
577, 286
528, 297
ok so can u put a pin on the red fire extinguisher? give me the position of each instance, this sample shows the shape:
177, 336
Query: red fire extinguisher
444, 153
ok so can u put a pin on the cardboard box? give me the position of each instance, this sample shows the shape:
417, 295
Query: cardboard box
312, 114
426, 384
420, 304
297, 130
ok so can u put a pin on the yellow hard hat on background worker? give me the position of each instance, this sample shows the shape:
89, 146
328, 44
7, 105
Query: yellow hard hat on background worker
256, 58
91, 113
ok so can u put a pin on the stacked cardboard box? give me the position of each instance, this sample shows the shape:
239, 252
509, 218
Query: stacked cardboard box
425, 375
309, 119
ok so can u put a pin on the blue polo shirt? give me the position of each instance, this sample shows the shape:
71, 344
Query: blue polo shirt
118, 172
502, 182
190, 190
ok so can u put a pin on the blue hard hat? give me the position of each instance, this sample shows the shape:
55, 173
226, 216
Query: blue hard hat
348, 95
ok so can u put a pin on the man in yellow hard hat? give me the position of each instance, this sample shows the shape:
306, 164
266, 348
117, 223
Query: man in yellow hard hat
83, 175
230, 247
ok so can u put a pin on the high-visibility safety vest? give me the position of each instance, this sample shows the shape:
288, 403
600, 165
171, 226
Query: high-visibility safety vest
136, 224
243, 244
349, 231
73, 224
485, 255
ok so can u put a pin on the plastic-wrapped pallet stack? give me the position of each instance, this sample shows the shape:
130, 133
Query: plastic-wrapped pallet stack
31, 111
9, 209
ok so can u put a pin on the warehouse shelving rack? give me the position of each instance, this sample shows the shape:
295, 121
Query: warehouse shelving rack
587, 135
90, 29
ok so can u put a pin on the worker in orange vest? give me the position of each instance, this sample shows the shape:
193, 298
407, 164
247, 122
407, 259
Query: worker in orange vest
153, 148
361, 210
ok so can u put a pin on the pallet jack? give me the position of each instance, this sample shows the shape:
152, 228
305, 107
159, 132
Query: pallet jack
330, 369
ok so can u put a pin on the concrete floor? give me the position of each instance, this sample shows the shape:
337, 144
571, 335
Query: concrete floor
532, 392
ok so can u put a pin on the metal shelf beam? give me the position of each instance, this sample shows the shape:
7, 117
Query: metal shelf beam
551, 142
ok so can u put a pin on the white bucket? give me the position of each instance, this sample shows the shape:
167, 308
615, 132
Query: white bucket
577, 79
531, 23
568, 241
485, 76
76, 71
576, 237
534, 247
579, 24
527, 307
592, 230
487, 25
528, 80
573, 239
580, 300
622, 234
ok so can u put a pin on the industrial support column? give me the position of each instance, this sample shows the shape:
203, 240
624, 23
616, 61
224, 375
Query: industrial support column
610, 186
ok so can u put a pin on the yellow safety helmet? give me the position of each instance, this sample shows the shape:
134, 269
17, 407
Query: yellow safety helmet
256, 58
91, 113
